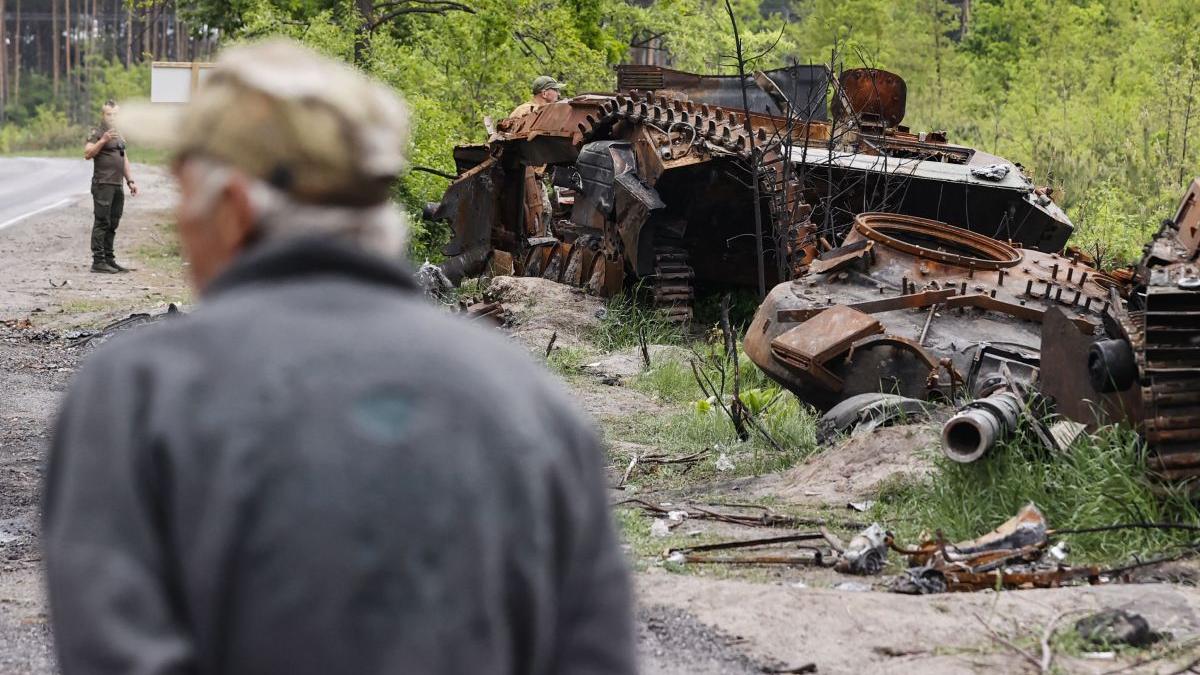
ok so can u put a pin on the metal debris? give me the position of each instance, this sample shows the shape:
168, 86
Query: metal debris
97, 338
1113, 627
866, 553
866, 412
1011, 556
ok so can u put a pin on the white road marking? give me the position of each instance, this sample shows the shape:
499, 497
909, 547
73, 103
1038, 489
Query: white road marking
23, 216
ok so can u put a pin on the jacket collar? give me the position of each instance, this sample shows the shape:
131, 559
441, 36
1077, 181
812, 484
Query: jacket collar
297, 259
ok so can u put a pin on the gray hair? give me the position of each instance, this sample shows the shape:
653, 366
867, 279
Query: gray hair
382, 229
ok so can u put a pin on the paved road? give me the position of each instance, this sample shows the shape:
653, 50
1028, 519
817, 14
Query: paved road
31, 185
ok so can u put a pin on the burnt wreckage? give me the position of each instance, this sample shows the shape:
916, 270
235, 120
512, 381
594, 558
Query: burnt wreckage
658, 183
905, 269
910, 310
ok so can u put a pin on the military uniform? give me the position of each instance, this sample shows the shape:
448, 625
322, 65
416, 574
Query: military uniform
108, 195
317, 471
536, 204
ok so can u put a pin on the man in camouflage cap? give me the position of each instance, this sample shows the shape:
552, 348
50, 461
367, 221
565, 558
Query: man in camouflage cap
315, 471
545, 90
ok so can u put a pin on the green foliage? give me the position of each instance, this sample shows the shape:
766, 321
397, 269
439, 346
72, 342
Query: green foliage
1037, 81
113, 81
47, 129
40, 121
626, 320
1100, 481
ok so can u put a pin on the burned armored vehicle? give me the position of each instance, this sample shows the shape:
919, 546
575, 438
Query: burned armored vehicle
921, 309
670, 182
908, 309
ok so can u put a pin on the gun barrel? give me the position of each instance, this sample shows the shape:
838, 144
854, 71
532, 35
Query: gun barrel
979, 425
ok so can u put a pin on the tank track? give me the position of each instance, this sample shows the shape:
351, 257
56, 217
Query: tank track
671, 284
1167, 349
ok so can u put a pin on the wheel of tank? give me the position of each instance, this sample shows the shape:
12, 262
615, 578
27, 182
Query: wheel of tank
605, 277
575, 265
555, 262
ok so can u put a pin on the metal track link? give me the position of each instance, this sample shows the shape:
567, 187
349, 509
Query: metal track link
672, 284
1168, 355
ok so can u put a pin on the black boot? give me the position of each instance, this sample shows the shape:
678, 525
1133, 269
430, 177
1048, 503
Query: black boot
102, 267
112, 262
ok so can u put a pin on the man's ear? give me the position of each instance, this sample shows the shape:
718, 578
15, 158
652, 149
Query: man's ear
236, 225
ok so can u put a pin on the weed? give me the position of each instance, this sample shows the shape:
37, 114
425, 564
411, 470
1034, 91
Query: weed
567, 361
670, 381
626, 320
684, 432
162, 252
1101, 480
742, 308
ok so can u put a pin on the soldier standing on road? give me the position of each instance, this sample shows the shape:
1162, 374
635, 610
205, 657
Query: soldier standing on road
317, 471
110, 168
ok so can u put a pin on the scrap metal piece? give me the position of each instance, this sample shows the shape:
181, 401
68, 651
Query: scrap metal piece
810, 345
866, 553
865, 412
1007, 557
1022, 533
993, 172
1113, 627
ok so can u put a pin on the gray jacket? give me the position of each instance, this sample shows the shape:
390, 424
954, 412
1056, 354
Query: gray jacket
318, 473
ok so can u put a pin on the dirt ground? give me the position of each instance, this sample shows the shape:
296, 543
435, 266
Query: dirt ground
691, 621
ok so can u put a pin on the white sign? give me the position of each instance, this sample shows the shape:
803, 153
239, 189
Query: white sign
174, 82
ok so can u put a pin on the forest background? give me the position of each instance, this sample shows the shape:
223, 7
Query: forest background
1095, 98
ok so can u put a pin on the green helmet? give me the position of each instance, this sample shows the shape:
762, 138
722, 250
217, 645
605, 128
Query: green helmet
544, 82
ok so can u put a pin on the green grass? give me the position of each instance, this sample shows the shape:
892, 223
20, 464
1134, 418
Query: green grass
626, 319
675, 382
1099, 481
568, 361
137, 155
688, 431
163, 251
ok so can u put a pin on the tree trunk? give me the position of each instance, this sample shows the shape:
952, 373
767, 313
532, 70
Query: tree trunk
3, 61
54, 35
128, 35
362, 36
67, 44
17, 46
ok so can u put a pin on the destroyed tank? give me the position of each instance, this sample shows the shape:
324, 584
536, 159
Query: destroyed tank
922, 309
657, 183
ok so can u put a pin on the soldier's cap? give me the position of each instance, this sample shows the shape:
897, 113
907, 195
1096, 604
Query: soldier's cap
310, 126
544, 82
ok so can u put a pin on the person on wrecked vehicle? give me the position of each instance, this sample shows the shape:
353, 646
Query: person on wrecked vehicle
105, 148
537, 203
316, 471
545, 90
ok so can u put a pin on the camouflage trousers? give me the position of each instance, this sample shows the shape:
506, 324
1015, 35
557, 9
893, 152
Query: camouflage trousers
108, 202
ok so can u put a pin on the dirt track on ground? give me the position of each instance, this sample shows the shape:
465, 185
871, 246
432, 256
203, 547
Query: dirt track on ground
47, 292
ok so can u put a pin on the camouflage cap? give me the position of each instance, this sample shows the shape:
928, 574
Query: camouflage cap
306, 124
544, 82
